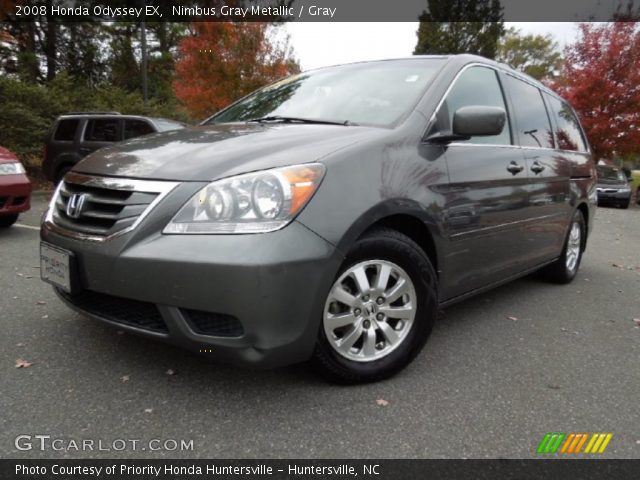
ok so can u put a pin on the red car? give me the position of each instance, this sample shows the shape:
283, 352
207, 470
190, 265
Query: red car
15, 188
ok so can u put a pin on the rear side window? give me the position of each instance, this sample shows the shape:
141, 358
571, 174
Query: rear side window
476, 86
568, 133
66, 130
534, 129
101, 130
136, 128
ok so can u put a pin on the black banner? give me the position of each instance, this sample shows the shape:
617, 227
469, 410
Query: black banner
313, 10
321, 469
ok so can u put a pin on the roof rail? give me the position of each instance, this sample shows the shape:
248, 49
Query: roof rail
92, 113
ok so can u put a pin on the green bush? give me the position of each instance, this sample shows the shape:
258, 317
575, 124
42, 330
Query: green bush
28, 110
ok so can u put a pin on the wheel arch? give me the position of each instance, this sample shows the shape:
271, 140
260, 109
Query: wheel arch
584, 209
405, 217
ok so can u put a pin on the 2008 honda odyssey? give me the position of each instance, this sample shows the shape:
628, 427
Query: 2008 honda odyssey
329, 215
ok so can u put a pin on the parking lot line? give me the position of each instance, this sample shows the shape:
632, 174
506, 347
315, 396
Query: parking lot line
29, 227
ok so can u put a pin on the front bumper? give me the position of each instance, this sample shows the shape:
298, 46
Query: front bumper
247, 299
15, 194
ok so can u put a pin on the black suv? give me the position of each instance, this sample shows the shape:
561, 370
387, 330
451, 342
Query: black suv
75, 135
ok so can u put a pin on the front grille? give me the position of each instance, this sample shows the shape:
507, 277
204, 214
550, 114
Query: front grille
104, 206
216, 324
104, 211
134, 313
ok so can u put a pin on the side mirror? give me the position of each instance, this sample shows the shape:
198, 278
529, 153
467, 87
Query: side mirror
472, 121
479, 121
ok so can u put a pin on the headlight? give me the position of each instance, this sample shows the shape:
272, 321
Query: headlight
624, 190
251, 203
13, 168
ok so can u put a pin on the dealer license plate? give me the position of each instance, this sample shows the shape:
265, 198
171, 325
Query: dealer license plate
55, 266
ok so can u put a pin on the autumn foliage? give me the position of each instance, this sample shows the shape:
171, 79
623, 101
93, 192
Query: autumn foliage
601, 79
223, 61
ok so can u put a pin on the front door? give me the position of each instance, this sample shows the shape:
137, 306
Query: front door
486, 199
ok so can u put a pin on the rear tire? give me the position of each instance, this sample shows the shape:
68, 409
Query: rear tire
379, 312
565, 268
7, 220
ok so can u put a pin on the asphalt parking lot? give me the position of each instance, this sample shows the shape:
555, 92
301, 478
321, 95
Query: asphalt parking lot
499, 371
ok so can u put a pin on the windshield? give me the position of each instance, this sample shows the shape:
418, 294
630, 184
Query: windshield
375, 93
611, 174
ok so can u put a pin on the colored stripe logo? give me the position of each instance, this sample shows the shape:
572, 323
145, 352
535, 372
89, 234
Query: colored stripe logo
573, 443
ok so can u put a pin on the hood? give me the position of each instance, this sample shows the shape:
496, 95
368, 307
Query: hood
7, 156
205, 153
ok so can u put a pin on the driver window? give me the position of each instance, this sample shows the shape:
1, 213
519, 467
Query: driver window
476, 86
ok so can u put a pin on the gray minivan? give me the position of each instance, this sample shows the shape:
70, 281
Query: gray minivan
328, 216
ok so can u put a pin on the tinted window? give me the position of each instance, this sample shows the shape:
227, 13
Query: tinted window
101, 130
136, 128
568, 134
476, 86
534, 129
66, 130
373, 93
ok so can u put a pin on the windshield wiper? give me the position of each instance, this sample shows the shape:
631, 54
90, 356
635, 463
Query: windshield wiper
278, 118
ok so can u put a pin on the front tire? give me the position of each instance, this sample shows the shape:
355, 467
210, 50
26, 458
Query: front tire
565, 268
7, 220
379, 312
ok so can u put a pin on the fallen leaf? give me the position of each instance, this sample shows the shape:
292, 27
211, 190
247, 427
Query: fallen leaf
512, 318
381, 402
170, 372
41, 302
20, 274
616, 265
637, 321
553, 387
45, 316
148, 410
23, 363
19, 344
125, 378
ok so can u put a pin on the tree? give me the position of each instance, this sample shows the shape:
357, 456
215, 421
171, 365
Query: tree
535, 55
601, 79
224, 61
472, 26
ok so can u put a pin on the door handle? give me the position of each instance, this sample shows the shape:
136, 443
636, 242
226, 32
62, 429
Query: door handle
536, 167
515, 168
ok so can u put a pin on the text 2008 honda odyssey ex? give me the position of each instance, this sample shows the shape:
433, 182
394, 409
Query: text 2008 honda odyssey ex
329, 215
